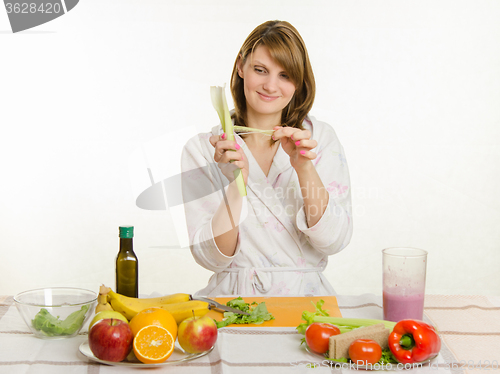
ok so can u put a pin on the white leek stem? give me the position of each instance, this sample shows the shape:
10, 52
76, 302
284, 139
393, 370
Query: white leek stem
220, 104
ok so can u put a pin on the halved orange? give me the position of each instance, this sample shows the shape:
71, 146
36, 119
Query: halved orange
154, 316
153, 344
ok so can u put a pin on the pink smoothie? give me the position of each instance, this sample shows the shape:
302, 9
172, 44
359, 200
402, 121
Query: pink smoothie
398, 307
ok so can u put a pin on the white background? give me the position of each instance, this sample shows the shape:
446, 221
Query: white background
412, 89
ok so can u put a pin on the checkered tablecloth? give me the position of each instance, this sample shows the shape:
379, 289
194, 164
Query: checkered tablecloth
469, 327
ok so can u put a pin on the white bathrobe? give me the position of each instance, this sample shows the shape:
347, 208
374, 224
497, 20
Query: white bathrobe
276, 253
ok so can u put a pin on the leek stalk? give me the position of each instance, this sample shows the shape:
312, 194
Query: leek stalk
253, 130
220, 104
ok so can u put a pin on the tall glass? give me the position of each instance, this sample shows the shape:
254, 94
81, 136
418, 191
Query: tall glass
404, 283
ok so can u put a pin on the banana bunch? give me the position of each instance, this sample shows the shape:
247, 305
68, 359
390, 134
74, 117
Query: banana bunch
179, 305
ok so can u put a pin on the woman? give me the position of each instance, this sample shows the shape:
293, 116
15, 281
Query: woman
297, 212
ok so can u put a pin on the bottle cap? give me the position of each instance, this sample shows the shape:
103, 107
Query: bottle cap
126, 232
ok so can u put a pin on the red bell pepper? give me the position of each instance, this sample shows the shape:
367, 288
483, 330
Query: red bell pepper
413, 341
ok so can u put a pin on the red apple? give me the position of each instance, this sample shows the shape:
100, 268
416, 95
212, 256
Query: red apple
111, 339
197, 334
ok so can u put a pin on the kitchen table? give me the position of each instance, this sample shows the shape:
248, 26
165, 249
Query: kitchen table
469, 327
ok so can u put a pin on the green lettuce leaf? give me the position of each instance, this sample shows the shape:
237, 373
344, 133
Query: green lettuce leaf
387, 357
258, 313
239, 303
53, 326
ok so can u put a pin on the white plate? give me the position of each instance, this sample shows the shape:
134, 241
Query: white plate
178, 356
387, 367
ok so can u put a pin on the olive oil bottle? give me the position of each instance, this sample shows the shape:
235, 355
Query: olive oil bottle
127, 266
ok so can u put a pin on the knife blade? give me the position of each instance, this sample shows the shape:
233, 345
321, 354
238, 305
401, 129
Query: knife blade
216, 305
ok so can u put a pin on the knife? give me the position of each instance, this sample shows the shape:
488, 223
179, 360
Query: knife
216, 305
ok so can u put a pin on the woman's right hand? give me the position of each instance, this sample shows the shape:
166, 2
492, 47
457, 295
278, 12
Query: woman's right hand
229, 156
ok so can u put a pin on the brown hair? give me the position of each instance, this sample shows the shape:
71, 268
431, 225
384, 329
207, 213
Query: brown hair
288, 49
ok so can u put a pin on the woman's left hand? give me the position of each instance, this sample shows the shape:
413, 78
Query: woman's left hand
297, 144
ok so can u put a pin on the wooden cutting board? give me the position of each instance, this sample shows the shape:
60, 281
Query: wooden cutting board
287, 311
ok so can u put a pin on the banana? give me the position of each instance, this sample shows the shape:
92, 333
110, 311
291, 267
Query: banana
102, 301
126, 307
180, 311
152, 301
179, 305
187, 309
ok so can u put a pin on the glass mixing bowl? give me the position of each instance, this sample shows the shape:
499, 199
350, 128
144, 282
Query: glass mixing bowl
56, 313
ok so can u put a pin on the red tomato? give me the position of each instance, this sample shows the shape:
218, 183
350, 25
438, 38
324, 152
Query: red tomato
365, 351
318, 336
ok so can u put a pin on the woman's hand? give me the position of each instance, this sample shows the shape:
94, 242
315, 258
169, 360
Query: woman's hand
297, 144
229, 157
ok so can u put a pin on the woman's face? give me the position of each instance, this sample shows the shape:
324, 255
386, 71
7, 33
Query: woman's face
267, 86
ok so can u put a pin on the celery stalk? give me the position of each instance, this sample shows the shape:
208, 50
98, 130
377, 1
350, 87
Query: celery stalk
220, 104
353, 322
344, 324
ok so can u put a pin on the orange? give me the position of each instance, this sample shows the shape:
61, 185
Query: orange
153, 344
154, 316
